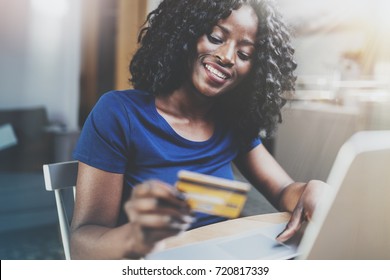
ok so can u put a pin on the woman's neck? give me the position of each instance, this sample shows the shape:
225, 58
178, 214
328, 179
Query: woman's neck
185, 102
189, 113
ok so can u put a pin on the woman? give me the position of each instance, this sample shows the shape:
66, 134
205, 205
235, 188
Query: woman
208, 76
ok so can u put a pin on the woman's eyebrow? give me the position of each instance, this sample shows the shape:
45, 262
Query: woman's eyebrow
244, 41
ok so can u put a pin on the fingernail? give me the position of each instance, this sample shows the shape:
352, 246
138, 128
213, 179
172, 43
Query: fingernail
180, 226
180, 196
279, 242
188, 219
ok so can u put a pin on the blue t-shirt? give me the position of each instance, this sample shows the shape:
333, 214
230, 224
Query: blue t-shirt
125, 134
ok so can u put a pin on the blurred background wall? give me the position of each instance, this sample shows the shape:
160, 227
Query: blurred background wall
332, 35
40, 57
63, 54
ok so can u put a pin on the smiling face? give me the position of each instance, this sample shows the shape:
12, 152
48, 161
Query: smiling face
224, 56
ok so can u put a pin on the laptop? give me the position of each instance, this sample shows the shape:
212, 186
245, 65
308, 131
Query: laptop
351, 221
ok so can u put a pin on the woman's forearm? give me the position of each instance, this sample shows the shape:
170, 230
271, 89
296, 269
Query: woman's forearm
290, 195
98, 242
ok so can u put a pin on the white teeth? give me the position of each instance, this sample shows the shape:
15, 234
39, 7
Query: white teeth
215, 72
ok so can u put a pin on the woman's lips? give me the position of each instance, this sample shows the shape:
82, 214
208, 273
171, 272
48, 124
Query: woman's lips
216, 73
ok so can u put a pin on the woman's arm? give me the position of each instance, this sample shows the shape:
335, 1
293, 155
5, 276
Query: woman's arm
154, 211
264, 173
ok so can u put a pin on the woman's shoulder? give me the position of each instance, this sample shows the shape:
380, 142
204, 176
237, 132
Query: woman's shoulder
126, 97
124, 104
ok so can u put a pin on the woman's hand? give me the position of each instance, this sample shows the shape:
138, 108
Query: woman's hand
155, 211
304, 209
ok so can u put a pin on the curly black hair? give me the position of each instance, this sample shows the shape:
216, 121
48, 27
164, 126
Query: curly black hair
169, 38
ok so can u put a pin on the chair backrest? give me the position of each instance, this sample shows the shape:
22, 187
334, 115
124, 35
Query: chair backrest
61, 178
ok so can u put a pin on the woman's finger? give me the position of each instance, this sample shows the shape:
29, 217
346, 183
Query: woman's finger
293, 226
161, 191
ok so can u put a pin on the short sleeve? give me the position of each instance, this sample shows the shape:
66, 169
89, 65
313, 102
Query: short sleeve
248, 146
104, 140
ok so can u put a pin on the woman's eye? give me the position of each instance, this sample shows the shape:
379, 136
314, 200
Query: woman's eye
244, 56
214, 39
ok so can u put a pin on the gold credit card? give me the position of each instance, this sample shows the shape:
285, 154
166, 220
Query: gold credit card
213, 195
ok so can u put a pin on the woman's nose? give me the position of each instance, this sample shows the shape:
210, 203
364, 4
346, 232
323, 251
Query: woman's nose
225, 55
